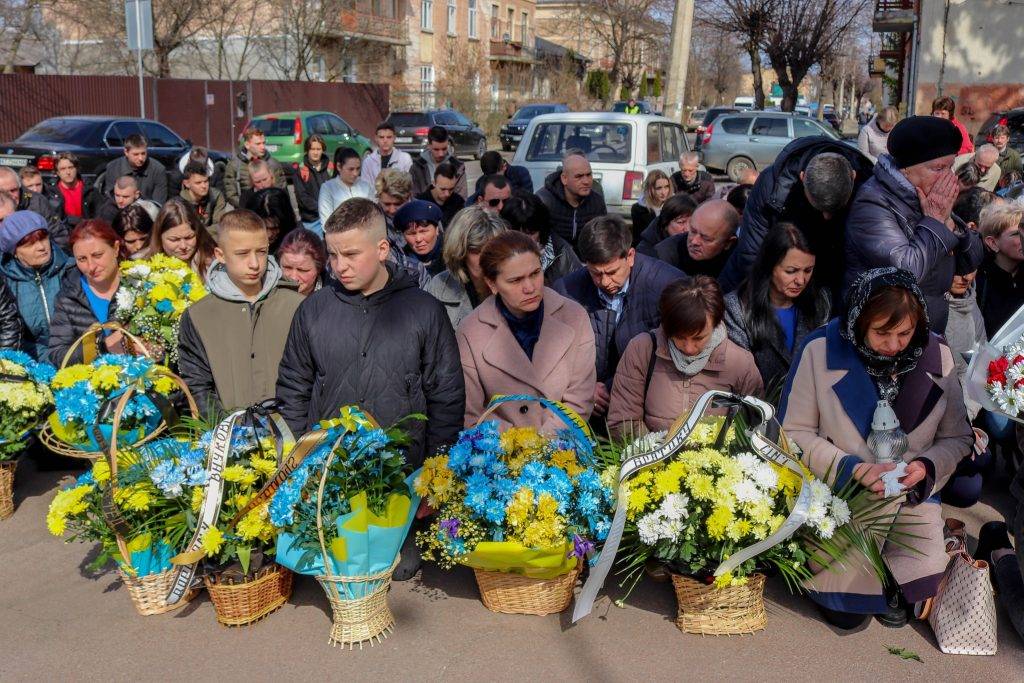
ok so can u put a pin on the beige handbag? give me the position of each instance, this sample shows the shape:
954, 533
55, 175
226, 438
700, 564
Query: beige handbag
963, 613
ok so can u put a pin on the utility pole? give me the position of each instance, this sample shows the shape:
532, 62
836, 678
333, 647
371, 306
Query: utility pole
675, 91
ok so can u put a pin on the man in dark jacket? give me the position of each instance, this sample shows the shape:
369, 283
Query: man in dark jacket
698, 185
231, 340
620, 290
442, 192
150, 175
236, 176
208, 202
25, 200
571, 197
492, 163
438, 151
816, 202
707, 246
372, 337
903, 217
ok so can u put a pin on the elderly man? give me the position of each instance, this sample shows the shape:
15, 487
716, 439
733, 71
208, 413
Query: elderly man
570, 196
691, 181
707, 246
986, 158
903, 216
10, 184
1009, 158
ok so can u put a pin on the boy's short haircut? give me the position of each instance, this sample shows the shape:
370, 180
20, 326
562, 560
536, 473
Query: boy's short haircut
446, 169
196, 168
135, 141
28, 171
356, 214
239, 220
385, 125
252, 132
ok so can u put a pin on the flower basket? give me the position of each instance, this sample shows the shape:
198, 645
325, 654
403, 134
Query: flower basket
510, 593
359, 605
711, 611
7, 468
148, 593
246, 602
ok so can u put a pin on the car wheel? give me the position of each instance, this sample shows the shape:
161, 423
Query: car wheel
737, 166
481, 148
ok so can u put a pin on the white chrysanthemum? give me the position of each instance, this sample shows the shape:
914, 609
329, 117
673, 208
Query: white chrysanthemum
765, 476
647, 528
647, 442
826, 527
1015, 372
840, 511
816, 512
746, 491
669, 529
125, 298
674, 506
748, 461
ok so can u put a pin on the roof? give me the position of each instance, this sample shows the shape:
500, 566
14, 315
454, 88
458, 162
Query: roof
291, 114
548, 48
602, 117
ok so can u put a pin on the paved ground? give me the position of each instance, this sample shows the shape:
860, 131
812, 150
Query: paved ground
58, 622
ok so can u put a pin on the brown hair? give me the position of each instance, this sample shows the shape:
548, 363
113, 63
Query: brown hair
501, 248
686, 305
945, 104
33, 237
240, 220
357, 212
179, 212
93, 227
252, 132
303, 242
28, 171
651, 182
892, 303
66, 156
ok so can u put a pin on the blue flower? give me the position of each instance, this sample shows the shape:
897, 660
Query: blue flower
164, 306
85, 478
168, 477
77, 403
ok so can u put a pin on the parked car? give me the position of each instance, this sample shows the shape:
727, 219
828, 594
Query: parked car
411, 129
287, 131
622, 148
711, 114
95, 140
512, 132
695, 120
620, 107
734, 142
1012, 119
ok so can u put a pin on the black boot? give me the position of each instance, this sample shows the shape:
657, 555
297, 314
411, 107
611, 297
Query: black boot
993, 536
409, 559
896, 614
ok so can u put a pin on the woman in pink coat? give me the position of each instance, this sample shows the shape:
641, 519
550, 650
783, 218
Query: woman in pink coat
525, 339
878, 372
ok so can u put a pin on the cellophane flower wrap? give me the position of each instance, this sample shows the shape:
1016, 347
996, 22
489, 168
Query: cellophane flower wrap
155, 486
694, 510
81, 391
516, 501
368, 501
153, 294
1005, 384
25, 398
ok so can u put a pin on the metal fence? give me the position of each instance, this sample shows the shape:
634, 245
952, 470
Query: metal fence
208, 112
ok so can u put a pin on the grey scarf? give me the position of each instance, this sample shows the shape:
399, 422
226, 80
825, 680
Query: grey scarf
547, 254
693, 365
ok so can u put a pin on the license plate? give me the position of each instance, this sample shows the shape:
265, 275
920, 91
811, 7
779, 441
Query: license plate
17, 162
403, 141
272, 148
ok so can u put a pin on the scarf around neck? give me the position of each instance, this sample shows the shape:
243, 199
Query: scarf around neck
694, 365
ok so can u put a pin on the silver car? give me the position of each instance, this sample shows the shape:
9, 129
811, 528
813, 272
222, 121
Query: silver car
622, 149
736, 142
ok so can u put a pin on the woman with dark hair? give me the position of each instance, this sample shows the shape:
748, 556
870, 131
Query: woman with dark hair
178, 232
737, 197
302, 258
674, 219
87, 292
345, 184
662, 373
134, 227
871, 391
525, 339
71, 187
779, 304
657, 190
308, 177
274, 206
945, 108
527, 214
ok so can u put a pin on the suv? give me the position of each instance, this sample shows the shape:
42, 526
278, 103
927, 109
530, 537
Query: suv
512, 132
287, 132
411, 129
1012, 119
622, 148
735, 142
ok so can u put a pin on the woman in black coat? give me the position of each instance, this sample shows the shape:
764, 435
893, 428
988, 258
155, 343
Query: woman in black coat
674, 219
528, 214
657, 190
313, 172
779, 304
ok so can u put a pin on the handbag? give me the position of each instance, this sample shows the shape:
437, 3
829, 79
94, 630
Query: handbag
963, 612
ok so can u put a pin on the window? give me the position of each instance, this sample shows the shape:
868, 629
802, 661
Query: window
338, 125
770, 127
158, 135
495, 23
472, 19
524, 25
670, 142
735, 126
427, 79
426, 14
600, 141
461, 120
451, 17
803, 128
510, 24
653, 146
318, 125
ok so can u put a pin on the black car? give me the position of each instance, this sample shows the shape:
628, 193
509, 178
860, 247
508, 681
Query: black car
512, 132
95, 140
411, 131
1012, 119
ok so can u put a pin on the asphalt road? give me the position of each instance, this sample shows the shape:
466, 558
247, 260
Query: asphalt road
61, 622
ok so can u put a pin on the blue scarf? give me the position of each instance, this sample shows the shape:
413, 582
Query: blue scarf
526, 330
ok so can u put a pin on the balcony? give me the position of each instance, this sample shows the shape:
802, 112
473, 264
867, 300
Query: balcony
893, 16
379, 21
512, 43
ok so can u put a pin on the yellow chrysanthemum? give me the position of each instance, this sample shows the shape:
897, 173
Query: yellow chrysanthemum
566, 460
241, 474
702, 486
106, 377
67, 503
254, 524
212, 541
667, 481
101, 471
71, 375
719, 520
137, 497
639, 498
265, 466
518, 511
197, 498
164, 385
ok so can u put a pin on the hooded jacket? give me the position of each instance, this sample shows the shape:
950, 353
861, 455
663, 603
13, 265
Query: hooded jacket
567, 221
36, 294
886, 227
422, 172
236, 176
72, 316
230, 348
392, 352
151, 178
307, 180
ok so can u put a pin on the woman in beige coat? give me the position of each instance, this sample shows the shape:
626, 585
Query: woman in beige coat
881, 352
525, 339
664, 372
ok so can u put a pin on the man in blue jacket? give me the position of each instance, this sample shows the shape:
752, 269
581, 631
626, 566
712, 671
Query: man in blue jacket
620, 290
493, 163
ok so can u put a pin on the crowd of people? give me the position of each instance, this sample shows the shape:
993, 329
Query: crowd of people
833, 281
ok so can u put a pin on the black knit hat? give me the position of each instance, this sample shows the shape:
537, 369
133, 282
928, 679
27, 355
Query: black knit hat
918, 139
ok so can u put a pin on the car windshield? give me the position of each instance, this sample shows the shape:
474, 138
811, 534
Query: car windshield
275, 127
527, 113
606, 142
73, 131
408, 119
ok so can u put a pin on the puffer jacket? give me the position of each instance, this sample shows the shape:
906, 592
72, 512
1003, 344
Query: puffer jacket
647, 280
72, 316
307, 181
886, 227
567, 221
230, 348
236, 176
10, 321
650, 238
564, 262
393, 353
36, 293
872, 140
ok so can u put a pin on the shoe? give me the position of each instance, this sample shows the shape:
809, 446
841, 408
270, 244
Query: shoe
896, 614
409, 560
993, 536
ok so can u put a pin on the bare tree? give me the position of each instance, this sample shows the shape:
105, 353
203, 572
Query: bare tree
226, 48
748, 22
301, 27
19, 20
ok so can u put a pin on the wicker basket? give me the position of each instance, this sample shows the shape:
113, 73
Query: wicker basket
7, 468
517, 594
711, 611
238, 604
148, 593
359, 605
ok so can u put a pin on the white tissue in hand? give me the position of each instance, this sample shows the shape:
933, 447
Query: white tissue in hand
891, 479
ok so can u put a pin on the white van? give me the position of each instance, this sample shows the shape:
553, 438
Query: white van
743, 103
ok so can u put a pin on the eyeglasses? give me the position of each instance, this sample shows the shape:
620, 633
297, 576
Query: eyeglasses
494, 203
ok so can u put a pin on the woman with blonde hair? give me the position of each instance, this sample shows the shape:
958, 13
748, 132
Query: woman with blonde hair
657, 190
